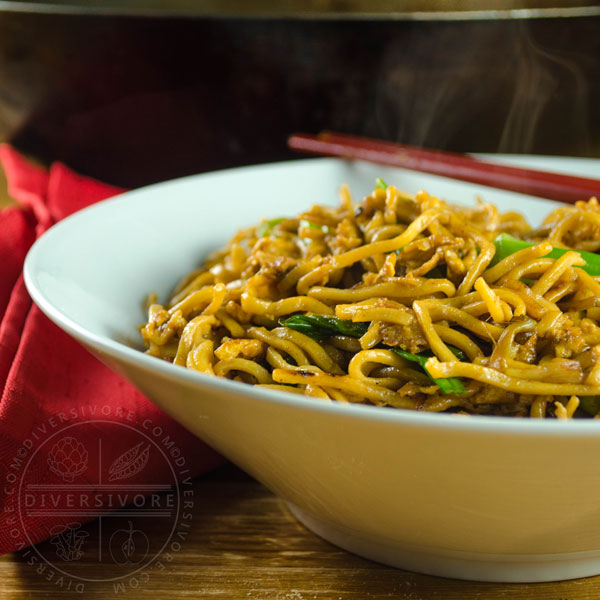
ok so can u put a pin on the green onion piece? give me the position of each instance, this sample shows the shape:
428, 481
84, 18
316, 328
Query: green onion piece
320, 327
266, 227
506, 245
457, 352
448, 385
305, 223
590, 405
381, 184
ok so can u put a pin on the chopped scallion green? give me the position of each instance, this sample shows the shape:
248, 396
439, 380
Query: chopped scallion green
320, 327
266, 227
506, 245
448, 385
305, 223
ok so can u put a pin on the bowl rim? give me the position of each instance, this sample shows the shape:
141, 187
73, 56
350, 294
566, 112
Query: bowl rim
463, 423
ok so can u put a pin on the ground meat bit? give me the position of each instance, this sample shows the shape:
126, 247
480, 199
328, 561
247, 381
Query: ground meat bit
422, 248
270, 251
163, 326
568, 338
527, 352
408, 337
423, 254
240, 348
277, 267
346, 237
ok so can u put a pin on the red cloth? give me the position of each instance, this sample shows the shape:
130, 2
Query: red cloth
65, 418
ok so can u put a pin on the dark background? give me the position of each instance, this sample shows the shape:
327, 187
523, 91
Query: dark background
136, 100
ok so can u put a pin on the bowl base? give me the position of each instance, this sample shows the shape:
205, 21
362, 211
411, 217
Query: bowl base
502, 568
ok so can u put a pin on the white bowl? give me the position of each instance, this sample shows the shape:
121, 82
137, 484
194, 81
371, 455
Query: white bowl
484, 498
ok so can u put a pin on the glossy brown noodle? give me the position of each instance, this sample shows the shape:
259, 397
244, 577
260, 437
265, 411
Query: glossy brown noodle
417, 270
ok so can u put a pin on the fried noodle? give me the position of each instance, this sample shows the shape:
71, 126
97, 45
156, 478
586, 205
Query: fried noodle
420, 311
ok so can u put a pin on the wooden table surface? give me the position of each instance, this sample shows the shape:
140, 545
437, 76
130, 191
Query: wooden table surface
244, 543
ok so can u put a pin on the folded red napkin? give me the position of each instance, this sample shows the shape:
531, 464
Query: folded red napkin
66, 421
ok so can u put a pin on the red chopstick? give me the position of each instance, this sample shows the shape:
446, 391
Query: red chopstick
553, 186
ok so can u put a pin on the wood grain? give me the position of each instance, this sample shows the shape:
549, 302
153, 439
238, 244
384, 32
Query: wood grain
244, 543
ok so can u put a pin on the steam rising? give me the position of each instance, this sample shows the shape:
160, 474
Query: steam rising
499, 90
537, 79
